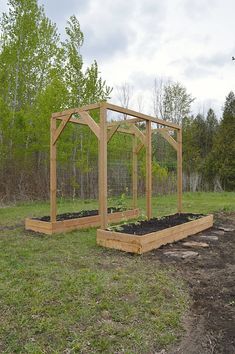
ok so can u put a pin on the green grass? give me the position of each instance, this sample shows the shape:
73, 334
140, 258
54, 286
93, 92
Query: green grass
64, 294
199, 202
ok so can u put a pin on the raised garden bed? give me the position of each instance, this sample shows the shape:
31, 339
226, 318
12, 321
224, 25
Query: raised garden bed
143, 236
79, 220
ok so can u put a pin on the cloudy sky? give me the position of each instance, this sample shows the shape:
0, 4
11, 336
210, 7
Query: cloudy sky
134, 41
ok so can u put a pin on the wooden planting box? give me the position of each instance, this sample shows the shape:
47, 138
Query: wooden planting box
149, 241
49, 228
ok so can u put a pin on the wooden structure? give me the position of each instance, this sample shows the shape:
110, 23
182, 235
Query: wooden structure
134, 243
148, 242
104, 132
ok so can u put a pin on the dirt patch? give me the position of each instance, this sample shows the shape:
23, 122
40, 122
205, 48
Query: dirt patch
210, 324
156, 224
79, 214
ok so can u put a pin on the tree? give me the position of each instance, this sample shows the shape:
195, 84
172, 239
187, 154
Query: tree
39, 75
176, 102
224, 145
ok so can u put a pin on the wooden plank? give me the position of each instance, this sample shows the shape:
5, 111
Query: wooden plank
37, 223
103, 167
74, 120
174, 230
125, 121
78, 223
91, 123
174, 237
132, 113
88, 107
118, 236
60, 128
144, 243
125, 131
165, 134
179, 171
148, 170
134, 172
139, 147
111, 132
38, 226
53, 177
139, 134
120, 245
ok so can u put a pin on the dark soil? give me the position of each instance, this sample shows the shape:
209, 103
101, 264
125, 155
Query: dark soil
156, 224
79, 214
210, 322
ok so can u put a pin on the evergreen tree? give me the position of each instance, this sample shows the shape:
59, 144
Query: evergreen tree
224, 146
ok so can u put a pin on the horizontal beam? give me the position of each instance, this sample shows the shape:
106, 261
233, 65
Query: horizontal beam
88, 107
125, 121
142, 116
73, 120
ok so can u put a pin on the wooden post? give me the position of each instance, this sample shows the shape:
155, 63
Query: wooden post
148, 170
179, 170
134, 172
103, 167
53, 207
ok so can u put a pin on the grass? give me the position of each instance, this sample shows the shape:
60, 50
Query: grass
63, 294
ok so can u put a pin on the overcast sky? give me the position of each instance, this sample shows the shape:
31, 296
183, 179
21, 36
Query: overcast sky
134, 41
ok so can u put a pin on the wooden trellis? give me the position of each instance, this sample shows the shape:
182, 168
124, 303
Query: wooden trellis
104, 132
140, 139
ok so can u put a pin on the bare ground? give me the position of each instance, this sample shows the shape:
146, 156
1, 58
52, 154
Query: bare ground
210, 323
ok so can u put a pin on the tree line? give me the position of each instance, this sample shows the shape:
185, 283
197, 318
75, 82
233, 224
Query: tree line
41, 74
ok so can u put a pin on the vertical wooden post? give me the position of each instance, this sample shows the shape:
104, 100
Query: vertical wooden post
103, 167
148, 170
53, 207
179, 170
134, 172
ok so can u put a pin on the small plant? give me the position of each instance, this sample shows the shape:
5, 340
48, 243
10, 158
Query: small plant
122, 202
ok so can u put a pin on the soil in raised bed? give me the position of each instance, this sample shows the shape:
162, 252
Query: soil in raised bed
156, 224
79, 214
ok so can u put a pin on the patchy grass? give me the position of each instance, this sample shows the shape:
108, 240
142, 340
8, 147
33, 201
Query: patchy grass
64, 294
199, 202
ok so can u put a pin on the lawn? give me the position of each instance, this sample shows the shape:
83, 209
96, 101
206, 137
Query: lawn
63, 294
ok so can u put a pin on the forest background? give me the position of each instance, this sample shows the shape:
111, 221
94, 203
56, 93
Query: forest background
41, 74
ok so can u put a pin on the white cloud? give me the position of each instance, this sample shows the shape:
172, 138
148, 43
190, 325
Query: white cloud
191, 41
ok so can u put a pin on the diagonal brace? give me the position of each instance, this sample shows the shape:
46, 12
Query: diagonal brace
169, 138
90, 122
60, 129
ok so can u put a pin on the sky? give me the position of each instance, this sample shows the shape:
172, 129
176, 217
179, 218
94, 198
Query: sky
136, 41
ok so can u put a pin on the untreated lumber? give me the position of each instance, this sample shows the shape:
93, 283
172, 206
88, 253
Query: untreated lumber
139, 134
165, 134
53, 172
148, 170
103, 167
88, 107
60, 128
91, 123
132, 113
134, 172
179, 170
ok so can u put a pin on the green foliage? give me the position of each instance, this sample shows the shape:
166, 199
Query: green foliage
176, 102
39, 75
224, 145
